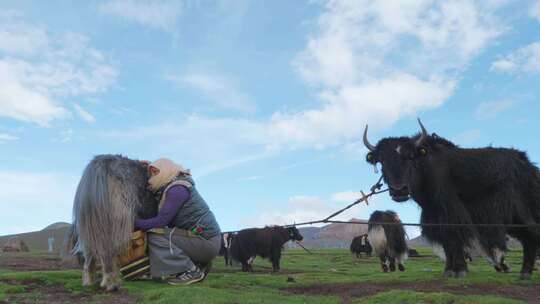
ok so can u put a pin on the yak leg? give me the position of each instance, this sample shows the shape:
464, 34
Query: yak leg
226, 256
529, 258
383, 259
392, 264
245, 266
110, 279
455, 261
89, 270
275, 257
400, 260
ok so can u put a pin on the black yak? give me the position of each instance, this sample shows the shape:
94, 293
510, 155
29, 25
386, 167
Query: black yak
413, 253
225, 250
464, 186
265, 242
361, 244
388, 241
111, 193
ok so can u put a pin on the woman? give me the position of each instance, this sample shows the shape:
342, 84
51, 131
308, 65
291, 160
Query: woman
191, 234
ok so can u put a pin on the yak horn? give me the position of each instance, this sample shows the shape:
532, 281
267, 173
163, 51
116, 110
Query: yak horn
423, 136
366, 141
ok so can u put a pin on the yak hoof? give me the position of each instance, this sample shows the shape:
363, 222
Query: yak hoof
401, 268
112, 288
525, 276
449, 274
461, 274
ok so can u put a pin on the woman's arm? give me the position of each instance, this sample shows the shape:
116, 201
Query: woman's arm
175, 197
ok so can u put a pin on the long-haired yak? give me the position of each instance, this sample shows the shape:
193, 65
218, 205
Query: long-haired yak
111, 193
454, 185
388, 241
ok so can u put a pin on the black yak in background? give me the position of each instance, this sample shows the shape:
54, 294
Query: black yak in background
265, 242
464, 186
388, 241
111, 193
361, 244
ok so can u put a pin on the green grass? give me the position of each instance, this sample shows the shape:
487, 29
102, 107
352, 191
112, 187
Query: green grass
329, 266
411, 297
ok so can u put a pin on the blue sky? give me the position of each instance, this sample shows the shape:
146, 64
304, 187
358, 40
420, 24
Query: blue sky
265, 101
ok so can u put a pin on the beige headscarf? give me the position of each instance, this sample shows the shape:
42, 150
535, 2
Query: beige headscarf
168, 170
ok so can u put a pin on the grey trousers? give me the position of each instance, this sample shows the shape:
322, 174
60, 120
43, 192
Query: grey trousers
180, 254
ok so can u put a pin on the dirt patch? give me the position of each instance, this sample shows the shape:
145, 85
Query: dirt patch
259, 270
22, 263
39, 293
528, 293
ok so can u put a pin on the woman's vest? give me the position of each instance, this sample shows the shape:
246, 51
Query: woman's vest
194, 215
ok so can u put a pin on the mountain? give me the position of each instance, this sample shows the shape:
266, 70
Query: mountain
332, 235
57, 225
39, 240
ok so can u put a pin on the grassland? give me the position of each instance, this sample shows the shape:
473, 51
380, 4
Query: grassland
326, 276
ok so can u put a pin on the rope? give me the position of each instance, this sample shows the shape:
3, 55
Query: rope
375, 190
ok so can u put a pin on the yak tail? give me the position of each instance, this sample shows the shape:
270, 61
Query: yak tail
103, 212
388, 239
70, 246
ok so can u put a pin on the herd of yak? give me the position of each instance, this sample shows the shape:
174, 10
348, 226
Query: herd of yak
469, 199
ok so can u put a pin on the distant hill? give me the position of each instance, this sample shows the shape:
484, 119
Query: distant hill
332, 235
57, 226
420, 241
38, 240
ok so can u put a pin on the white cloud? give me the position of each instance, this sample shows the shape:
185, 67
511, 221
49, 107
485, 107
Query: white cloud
156, 14
209, 144
525, 59
380, 102
22, 101
534, 12
218, 89
4, 137
49, 194
250, 178
299, 208
38, 69
468, 137
346, 196
378, 61
490, 110
20, 38
306, 208
85, 115
370, 62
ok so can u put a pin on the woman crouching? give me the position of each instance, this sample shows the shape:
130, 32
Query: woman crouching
184, 237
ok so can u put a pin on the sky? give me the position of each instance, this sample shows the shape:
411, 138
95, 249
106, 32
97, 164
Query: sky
265, 101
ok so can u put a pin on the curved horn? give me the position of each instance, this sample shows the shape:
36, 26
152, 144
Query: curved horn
366, 141
423, 136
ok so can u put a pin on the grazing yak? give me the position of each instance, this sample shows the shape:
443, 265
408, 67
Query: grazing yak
361, 244
265, 242
413, 253
111, 193
388, 241
454, 185
225, 249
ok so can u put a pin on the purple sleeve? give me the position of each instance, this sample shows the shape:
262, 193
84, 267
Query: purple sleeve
175, 197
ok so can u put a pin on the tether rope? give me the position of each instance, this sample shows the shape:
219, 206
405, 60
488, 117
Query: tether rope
375, 190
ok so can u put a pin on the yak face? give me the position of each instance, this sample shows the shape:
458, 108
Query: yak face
294, 234
397, 157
